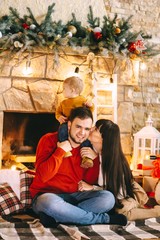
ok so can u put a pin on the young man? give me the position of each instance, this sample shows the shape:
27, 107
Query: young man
55, 188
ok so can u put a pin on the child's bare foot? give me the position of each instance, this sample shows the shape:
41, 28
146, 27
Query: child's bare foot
87, 162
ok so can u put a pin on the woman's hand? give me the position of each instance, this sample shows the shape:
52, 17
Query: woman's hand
88, 152
83, 186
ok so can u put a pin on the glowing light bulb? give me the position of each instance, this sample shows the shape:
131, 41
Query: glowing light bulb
27, 70
143, 66
75, 73
13, 167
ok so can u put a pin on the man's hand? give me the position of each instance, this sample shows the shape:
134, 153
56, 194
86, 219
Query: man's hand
88, 152
83, 186
62, 119
66, 146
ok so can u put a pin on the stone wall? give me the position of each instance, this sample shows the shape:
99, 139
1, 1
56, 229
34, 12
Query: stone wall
145, 97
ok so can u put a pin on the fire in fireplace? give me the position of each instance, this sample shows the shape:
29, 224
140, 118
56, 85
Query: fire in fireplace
22, 131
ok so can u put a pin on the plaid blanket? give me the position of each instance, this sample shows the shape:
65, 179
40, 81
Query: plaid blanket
32, 229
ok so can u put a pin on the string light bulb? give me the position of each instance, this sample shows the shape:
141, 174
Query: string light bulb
76, 70
27, 70
75, 73
13, 167
143, 66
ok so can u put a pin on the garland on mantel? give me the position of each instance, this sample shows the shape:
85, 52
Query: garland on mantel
113, 36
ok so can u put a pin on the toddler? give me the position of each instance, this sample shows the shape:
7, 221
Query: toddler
72, 88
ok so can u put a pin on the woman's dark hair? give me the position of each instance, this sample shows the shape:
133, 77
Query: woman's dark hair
117, 176
80, 112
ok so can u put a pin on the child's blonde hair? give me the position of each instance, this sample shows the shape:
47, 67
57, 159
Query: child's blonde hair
76, 83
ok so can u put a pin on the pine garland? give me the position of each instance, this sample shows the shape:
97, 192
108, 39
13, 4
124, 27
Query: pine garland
19, 34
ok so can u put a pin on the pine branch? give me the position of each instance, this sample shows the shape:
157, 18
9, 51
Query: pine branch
59, 27
124, 28
46, 25
94, 22
73, 18
81, 31
5, 23
15, 14
33, 36
16, 21
49, 12
124, 25
115, 18
74, 21
131, 37
108, 29
146, 36
32, 17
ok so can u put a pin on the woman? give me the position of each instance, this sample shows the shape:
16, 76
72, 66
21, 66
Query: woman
115, 174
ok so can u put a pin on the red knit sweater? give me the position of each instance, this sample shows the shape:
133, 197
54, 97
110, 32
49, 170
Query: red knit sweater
57, 174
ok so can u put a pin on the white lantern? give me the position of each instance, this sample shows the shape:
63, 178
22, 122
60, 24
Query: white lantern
146, 143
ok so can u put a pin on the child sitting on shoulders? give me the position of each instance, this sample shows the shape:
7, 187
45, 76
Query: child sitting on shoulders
72, 89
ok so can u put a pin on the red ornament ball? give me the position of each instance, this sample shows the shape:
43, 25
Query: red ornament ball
25, 26
132, 47
97, 35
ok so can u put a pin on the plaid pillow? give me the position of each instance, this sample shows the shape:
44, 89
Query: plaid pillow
25, 181
9, 202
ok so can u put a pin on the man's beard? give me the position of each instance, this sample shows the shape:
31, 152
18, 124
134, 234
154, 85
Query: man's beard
74, 140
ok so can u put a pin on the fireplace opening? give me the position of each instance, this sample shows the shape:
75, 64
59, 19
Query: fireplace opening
22, 132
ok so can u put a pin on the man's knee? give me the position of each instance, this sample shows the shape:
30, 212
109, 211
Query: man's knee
47, 201
108, 199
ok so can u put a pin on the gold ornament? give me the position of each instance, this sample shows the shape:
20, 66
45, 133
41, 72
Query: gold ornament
20, 34
40, 33
137, 52
52, 45
133, 56
72, 29
117, 30
89, 29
